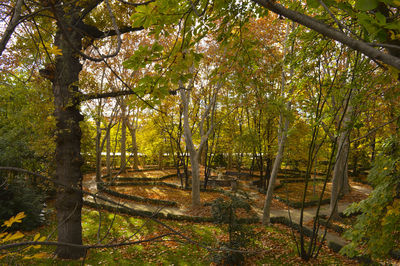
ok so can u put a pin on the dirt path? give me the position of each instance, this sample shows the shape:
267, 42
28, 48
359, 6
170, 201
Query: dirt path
295, 214
309, 214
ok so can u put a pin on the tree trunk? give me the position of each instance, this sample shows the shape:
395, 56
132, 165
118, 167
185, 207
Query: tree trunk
123, 137
277, 164
68, 146
160, 159
192, 151
98, 140
373, 142
132, 130
282, 135
340, 184
194, 160
108, 152
340, 180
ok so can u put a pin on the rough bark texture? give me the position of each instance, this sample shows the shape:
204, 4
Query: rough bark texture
68, 141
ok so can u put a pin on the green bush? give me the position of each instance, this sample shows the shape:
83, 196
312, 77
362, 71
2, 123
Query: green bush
240, 235
18, 196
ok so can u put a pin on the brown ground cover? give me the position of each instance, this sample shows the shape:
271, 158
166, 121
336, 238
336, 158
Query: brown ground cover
182, 197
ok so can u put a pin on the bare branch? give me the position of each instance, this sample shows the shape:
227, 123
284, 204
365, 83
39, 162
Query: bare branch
136, 4
375, 129
50, 243
330, 32
92, 96
14, 21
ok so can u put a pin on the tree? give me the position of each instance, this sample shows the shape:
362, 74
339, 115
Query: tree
282, 135
72, 29
194, 152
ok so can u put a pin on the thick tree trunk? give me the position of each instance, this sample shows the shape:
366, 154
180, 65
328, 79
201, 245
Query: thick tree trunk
68, 146
194, 160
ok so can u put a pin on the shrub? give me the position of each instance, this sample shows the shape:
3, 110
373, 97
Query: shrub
17, 196
240, 235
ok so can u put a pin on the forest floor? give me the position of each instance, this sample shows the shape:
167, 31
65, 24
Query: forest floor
269, 245
289, 191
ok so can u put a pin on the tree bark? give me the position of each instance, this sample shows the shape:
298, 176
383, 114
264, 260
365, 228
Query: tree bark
340, 180
277, 164
132, 126
123, 137
192, 150
195, 154
282, 135
98, 140
68, 146
108, 152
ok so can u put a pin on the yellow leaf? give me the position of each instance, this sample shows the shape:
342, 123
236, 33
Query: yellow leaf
36, 237
43, 238
2, 235
35, 256
15, 219
20, 216
15, 236
39, 255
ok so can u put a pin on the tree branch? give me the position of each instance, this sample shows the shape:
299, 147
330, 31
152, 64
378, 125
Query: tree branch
51, 243
136, 4
14, 21
330, 32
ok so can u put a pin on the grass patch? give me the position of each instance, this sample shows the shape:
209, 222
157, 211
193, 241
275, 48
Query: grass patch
272, 245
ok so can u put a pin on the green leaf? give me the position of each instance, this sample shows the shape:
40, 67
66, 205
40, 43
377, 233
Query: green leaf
313, 3
366, 5
381, 18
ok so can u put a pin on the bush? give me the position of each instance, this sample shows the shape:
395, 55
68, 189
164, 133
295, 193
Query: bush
18, 196
239, 235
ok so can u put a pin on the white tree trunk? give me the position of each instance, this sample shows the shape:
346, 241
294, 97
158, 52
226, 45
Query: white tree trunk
282, 135
277, 165
340, 180
193, 153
